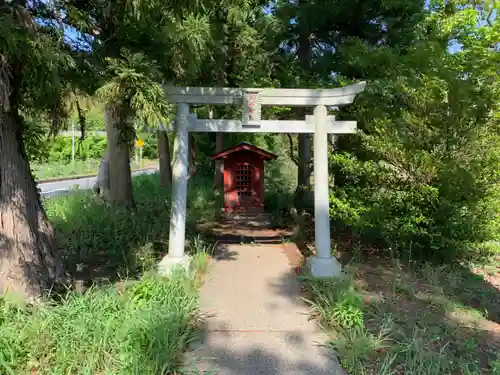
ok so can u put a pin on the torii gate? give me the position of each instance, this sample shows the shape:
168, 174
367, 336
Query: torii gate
323, 264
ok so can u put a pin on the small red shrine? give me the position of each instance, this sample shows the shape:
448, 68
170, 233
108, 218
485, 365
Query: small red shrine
244, 177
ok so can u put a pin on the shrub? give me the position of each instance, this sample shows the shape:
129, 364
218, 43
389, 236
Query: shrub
421, 175
446, 219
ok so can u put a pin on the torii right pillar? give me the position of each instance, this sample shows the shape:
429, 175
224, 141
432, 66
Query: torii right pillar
323, 264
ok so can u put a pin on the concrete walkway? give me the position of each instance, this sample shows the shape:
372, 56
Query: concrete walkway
257, 322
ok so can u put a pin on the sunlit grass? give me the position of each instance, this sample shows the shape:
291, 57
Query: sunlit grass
129, 320
138, 327
421, 322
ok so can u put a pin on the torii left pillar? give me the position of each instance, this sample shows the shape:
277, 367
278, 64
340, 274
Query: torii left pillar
180, 174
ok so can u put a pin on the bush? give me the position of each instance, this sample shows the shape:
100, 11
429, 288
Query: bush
422, 186
150, 148
339, 306
446, 219
59, 148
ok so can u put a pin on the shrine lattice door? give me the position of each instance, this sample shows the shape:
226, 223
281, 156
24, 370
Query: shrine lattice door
244, 184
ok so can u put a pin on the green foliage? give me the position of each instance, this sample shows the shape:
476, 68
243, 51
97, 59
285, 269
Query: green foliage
410, 323
357, 346
35, 139
58, 149
92, 147
133, 92
422, 177
150, 148
32, 66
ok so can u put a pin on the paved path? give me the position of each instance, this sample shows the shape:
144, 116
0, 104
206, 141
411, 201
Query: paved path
55, 188
259, 324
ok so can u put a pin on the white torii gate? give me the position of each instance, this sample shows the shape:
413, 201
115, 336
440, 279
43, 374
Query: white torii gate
323, 264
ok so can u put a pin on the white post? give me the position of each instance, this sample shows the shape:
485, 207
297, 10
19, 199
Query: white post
140, 158
323, 264
180, 174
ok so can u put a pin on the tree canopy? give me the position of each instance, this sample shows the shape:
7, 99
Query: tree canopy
423, 166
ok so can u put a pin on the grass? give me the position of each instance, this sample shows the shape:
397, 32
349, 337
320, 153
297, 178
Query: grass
143, 327
128, 320
105, 241
386, 318
79, 168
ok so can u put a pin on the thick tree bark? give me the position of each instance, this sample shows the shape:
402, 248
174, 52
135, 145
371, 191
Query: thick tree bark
29, 262
120, 174
165, 159
101, 186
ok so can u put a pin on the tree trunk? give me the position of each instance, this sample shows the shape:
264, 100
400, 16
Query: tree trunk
101, 186
304, 52
165, 159
29, 262
219, 164
192, 156
120, 175
303, 177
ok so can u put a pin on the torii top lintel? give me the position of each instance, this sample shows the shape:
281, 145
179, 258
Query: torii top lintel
268, 96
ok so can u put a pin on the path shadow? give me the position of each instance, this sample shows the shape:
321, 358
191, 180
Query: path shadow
249, 230
287, 285
223, 252
249, 239
222, 349
250, 353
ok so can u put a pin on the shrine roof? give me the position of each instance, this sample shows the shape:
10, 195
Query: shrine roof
243, 146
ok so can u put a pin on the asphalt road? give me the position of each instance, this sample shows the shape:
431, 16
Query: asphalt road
50, 189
